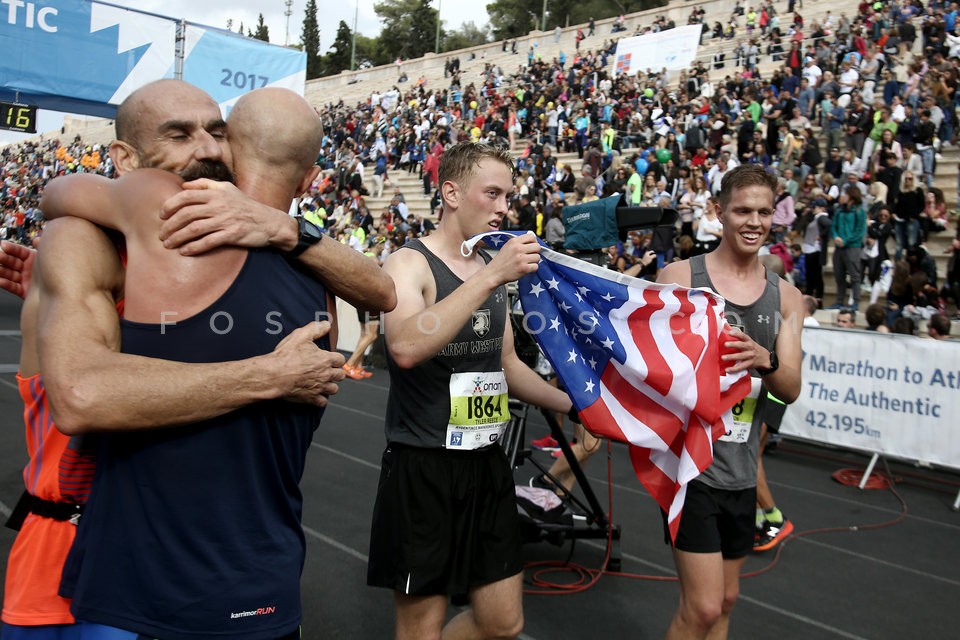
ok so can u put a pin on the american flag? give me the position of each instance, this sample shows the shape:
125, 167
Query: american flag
641, 362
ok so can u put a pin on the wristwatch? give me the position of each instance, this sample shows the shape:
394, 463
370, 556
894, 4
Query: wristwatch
308, 234
774, 364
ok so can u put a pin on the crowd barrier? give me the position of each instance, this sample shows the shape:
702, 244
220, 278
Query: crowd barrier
884, 394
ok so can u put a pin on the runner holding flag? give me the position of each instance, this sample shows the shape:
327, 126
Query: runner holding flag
717, 527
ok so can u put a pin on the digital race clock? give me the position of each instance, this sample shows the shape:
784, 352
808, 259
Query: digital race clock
18, 117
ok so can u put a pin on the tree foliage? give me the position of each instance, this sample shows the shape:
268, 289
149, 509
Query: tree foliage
409, 27
468, 35
512, 18
337, 57
261, 33
310, 40
369, 52
564, 12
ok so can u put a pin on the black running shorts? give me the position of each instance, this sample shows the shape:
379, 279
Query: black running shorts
716, 520
444, 521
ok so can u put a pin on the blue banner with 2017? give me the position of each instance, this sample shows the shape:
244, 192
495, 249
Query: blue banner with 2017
87, 57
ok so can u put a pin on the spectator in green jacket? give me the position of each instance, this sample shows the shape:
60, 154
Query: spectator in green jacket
848, 230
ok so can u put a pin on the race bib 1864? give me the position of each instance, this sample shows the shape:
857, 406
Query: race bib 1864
478, 409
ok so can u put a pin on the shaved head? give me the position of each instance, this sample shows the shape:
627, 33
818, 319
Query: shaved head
277, 127
150, 98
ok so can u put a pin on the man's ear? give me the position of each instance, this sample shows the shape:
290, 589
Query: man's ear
718, 210
125, 157
450, 193
307, 180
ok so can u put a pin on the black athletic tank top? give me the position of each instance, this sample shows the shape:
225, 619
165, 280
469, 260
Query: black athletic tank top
735, 464
194, 532
419, 405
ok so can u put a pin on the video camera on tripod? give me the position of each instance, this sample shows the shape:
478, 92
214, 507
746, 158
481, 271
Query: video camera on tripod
592, 227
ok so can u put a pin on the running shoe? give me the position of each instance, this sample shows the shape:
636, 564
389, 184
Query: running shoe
546, 443
772, 535
353, 372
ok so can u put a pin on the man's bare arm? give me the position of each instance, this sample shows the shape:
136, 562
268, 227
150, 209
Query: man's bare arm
115, 204
207, 215
415, 332
785, 382
92, 386
350, 275
675, 273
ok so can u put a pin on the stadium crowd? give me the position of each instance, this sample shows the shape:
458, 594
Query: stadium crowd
26, 169
852, 123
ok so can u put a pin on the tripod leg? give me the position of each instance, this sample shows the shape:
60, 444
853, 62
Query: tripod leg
614, 561
595, 512
514, 434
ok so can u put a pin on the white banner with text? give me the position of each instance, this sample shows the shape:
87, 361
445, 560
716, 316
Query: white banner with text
672, 49
881, 393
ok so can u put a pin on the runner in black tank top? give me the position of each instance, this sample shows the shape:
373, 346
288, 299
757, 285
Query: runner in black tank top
445, 521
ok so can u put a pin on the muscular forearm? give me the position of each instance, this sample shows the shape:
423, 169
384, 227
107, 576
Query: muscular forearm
350, 275
346, 273
784, 383
124, 392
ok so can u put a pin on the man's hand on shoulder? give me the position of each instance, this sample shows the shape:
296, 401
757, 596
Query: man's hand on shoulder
208, 214
16, 267
305, 372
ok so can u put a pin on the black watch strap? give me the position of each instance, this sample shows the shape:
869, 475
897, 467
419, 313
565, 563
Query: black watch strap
308, 234
774, 364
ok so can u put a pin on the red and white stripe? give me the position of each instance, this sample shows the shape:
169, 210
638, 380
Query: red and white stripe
671, 400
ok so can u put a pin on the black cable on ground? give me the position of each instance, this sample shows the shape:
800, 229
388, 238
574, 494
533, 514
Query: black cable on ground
876, 481
584, 578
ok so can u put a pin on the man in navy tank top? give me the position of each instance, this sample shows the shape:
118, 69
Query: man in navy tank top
445, 521
718, 521
193, 528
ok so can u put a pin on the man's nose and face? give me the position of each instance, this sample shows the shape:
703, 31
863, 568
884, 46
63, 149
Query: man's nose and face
182, 131
845, 320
